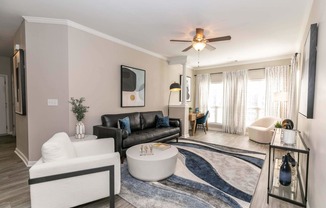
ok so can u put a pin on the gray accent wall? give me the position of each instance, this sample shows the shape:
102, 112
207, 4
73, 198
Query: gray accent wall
47, 78
21, 122
94, 73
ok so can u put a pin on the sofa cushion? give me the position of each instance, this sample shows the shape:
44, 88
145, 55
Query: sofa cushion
148, 119
58, 147
162, 121
125, 124
111, 120
149, 135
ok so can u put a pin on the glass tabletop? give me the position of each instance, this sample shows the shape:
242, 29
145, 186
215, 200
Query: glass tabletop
278, 141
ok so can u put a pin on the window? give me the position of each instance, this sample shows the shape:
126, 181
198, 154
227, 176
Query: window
255, 100
215, 103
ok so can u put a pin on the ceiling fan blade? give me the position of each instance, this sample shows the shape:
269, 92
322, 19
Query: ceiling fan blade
219, 39
210, 47
187, 49
181, 41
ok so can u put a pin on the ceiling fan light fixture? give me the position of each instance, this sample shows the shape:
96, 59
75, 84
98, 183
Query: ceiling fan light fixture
198, 46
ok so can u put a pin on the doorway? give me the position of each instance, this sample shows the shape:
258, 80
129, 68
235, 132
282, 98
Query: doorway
4, 111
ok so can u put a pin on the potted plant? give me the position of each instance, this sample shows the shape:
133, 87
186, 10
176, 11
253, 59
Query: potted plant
278, 125
79, 110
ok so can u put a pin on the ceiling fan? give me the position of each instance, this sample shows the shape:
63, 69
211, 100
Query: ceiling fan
199, 42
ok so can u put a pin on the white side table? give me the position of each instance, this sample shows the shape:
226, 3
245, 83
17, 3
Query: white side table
87, 137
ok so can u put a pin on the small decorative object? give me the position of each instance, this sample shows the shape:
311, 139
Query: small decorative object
287, 124
291, 159
79, 110
285, 171
190, 109
146, 150
289, 136
278, 125
161, 146
196, 110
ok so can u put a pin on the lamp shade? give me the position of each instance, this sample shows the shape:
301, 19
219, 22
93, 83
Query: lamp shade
175, 87
198, 46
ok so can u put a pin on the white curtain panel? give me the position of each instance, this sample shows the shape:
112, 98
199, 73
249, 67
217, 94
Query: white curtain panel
292, 103
278, 90
202, 91
234, 108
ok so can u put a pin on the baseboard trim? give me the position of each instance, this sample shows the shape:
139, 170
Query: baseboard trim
24, 158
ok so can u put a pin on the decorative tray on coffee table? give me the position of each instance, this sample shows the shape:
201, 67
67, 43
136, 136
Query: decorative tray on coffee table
161, 146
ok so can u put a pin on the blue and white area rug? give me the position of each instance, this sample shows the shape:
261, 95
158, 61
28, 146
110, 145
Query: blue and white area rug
207, 175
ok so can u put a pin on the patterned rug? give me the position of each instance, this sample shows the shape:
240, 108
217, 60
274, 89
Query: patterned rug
207, 175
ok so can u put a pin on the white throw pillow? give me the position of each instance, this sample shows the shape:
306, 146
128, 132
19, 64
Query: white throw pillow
59, 147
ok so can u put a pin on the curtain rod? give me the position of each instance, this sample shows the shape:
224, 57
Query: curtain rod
222, 72
253, 69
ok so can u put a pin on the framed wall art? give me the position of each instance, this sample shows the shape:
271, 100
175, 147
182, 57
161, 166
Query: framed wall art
188, 88
307, 92
133, 82
19, 82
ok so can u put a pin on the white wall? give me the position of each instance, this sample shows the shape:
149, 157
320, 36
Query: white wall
313, 130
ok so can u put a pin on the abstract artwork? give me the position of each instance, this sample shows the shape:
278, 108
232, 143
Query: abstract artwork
307, 92
132, 87
188, 88
19, 82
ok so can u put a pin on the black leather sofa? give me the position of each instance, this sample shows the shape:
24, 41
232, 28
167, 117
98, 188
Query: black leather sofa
143, 129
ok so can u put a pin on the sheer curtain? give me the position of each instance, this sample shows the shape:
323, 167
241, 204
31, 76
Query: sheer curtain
202, 91
235, 87
278, 90
292, 104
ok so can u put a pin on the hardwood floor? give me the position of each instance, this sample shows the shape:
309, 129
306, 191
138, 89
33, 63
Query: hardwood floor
14, 190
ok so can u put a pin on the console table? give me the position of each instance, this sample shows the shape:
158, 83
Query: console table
296, 193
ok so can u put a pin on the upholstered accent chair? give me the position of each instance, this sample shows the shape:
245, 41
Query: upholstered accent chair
202, 122
74, 173
261, 130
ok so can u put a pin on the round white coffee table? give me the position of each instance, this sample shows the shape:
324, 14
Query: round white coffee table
161, 164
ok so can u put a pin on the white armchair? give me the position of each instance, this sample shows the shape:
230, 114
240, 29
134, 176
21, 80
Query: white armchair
261, 130
74, 173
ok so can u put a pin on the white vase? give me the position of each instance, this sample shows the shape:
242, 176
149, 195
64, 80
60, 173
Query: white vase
80, 130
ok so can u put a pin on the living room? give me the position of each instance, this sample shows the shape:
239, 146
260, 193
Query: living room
64, 59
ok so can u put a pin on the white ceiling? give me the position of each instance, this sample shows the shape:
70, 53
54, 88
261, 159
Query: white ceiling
259, 29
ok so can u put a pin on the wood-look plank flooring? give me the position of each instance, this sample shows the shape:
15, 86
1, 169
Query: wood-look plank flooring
14, 189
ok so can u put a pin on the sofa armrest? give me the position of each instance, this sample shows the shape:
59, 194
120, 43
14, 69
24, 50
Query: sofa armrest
94, 147
176, 122
75, 164
109, 132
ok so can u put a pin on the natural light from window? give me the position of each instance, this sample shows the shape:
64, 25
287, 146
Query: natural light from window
215, 103
255, 100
